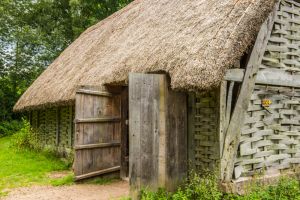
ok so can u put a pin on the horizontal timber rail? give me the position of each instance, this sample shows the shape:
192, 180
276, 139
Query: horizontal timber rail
95, 146
97, 173
95, 93
266, 77
95, 120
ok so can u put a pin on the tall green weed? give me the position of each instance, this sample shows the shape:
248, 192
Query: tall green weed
205, 187
26, 138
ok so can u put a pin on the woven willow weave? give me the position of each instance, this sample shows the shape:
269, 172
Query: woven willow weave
270, 140
206, 139
44, 122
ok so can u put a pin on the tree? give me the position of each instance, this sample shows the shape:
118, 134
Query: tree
34, 32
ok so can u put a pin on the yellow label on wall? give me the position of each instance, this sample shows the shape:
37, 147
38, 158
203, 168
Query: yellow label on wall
266, 102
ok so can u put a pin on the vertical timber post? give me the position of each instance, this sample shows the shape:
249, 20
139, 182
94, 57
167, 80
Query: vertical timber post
70, 130
57, 126
191, 131
157, 133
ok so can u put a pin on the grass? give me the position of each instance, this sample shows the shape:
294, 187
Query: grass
20, 168
100, 181
25, 168
67, 180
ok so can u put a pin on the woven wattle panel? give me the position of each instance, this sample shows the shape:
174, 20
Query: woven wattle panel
50, 127
283, 52
65, 128
270, 140
44, 123
206, 139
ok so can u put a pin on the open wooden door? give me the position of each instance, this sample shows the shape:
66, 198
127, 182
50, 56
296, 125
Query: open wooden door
98, 132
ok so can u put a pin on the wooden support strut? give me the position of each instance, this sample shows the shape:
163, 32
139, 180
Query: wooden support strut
97, 173
191, 131
266, 77
95, 93
232, 137
98, 120
95, 146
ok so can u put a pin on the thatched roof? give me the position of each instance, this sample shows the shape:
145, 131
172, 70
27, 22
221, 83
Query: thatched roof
194, 41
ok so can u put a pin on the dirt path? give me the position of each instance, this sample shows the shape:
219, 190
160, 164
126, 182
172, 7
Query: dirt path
113, 191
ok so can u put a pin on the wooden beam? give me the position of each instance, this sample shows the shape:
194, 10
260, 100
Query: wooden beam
191, 131
71, 131
97, 173
229, 105
273, 77
222, 113
57, 126
233, 133
235, 75
96, 120
96, 146
95, 93
278, 78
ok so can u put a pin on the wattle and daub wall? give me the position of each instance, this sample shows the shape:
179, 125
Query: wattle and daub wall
270, 137
54, 128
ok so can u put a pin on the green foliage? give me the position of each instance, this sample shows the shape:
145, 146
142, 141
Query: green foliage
206, 187
203, 187
124, 198
9, 128
86, 13
26, 139
285, 189
198, 187
161, 194
3, 194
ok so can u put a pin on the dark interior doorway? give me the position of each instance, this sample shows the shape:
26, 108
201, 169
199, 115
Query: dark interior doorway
125, 135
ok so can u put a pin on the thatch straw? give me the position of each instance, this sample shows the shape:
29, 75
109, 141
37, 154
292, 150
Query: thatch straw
194, 41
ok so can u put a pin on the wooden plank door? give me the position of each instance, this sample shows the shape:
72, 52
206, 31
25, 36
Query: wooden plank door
157, 133
97, 132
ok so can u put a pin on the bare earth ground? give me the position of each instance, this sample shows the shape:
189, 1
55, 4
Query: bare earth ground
113, 191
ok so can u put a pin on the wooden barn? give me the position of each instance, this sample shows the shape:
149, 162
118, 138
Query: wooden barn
165, 86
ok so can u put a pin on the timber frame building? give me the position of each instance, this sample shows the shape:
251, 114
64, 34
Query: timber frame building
165, 86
